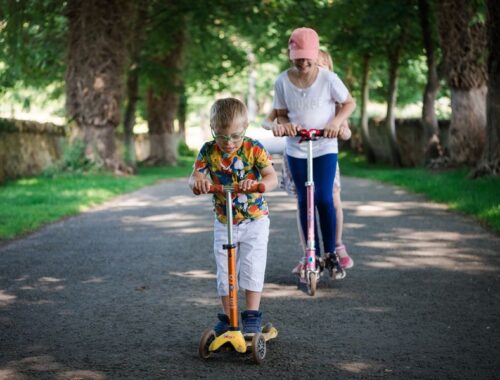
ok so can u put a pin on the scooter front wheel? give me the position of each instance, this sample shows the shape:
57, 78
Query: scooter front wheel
312, 282
206, 340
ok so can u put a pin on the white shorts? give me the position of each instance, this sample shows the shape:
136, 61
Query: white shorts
251, 254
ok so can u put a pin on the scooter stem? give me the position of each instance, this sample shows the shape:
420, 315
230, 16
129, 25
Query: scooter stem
231, 264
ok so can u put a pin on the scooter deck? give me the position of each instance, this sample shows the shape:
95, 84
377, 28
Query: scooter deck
268, 334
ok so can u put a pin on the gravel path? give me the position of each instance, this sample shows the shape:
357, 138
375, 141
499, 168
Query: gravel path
125, 290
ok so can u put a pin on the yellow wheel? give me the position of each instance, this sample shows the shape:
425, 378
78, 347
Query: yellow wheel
207, 338
258, 348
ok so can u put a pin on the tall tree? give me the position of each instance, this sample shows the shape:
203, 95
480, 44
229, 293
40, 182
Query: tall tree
433, 147
490, 161
96, 58
463, 42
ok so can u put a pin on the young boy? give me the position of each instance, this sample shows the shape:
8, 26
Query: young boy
232, 159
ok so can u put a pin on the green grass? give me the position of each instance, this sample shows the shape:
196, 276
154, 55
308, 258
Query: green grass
26, 204
479, 198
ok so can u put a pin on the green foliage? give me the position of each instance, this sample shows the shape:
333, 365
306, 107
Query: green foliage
29, 203
184, 150
72, 162
479, 198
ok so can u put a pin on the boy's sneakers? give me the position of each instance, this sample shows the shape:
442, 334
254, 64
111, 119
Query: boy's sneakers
251, 321
344, 259
223, 325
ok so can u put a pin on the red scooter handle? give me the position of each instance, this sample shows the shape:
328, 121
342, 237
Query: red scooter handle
257, 188
309, 134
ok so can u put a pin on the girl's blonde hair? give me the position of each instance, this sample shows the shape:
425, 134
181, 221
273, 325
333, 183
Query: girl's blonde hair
224, 111
326, 57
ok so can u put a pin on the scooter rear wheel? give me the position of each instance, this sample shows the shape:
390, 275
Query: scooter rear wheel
206, 340
258, 348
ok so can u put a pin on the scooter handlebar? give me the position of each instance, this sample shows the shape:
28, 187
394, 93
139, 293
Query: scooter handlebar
257, 188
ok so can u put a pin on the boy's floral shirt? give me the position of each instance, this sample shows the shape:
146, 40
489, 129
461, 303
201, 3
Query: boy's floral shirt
230, 169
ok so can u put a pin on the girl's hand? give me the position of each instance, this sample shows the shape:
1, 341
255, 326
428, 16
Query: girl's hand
287, 129
332, 129
246, 184
202, 185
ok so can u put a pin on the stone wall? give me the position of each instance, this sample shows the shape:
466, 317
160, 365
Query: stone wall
410, 137
27, 147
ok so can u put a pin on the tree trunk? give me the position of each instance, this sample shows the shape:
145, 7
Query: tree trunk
182, 112
95, 66
365, 132
163, 105
390, 120
252, 79
463, 44
490, 161
433, 148
135, 46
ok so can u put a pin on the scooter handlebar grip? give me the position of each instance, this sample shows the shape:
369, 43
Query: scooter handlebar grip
257, 188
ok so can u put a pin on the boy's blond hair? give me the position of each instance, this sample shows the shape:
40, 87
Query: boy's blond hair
327, 57
224, 111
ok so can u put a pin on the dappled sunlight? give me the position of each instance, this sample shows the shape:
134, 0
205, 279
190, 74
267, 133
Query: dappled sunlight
273, 290
93, 280
205, 301
353, 226
43, 366
5, 298
387, 209
171, 221
359, 367
201, 274
426, 249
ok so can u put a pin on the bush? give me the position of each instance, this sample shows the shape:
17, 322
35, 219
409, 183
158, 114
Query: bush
184, 150
73, 161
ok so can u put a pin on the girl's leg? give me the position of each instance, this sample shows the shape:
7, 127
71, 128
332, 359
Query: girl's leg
323, 184
339, 214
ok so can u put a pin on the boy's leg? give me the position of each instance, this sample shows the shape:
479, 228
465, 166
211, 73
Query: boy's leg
252, 238
220, 238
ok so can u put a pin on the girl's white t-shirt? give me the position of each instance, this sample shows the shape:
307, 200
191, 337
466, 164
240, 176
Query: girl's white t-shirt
311, 107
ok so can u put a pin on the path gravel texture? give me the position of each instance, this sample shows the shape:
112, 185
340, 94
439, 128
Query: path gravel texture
125, 290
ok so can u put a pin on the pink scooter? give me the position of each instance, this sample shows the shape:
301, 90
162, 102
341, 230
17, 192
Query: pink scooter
311, 270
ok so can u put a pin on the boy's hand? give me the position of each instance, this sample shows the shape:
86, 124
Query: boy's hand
246, 184
345, 133
202, 185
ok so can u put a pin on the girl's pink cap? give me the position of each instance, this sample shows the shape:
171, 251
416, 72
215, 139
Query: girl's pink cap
304, 44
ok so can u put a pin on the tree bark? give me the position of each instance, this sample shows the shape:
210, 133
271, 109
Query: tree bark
95, 67
463, 44
132, 94
390, 120
182, 112
433, 148
490, 161
163, 105
365, 131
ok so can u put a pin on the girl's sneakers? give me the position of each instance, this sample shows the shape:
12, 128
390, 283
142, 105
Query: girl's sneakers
344, 259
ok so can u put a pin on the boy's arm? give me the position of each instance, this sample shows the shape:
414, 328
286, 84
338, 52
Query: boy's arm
333, 127
269, 178
199, 181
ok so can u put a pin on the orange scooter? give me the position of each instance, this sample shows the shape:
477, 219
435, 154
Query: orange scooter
234, 338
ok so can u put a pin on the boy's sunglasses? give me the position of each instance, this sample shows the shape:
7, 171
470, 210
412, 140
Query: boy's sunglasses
235, 137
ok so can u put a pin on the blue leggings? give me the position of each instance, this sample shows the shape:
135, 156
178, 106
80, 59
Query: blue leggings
324, 168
